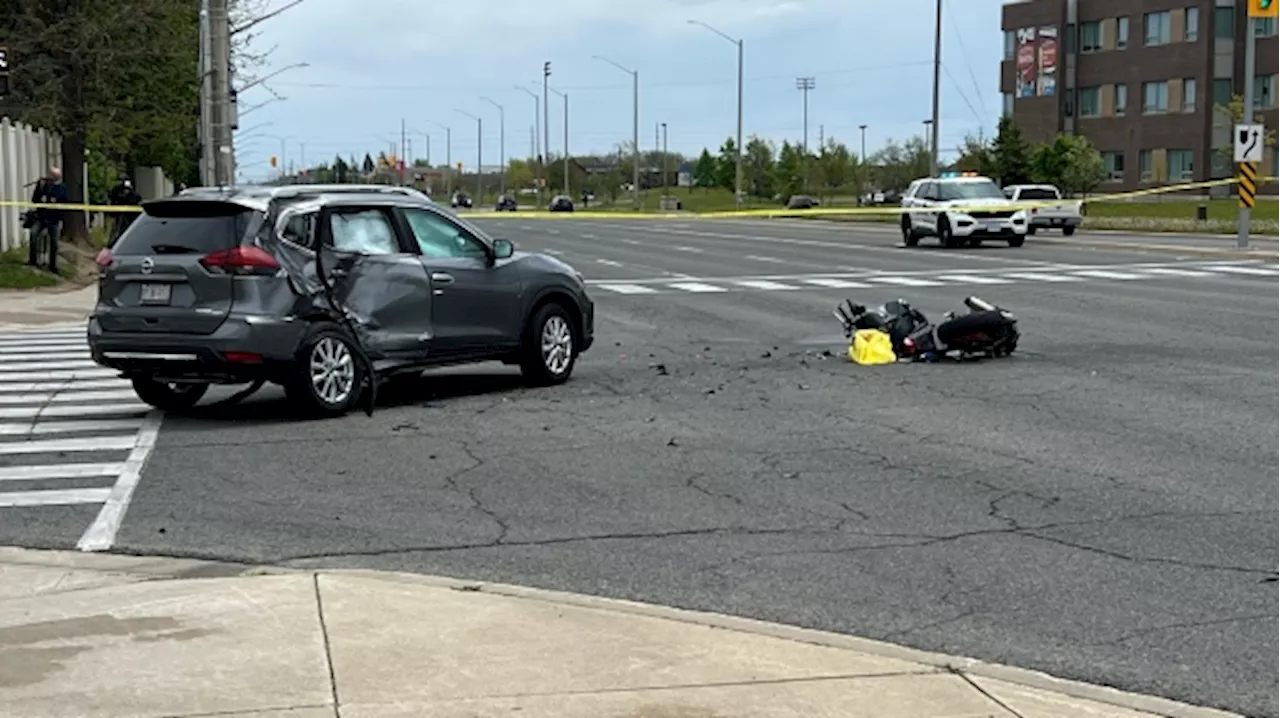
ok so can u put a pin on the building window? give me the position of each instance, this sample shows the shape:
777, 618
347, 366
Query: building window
1264, 27
1224, 23
1189, 94
1010, 44
1156, 26
1222, 90
1006, 100
1090, 101
1122, 33
1090, 37
1264, 91
1191, 24
1113, 162
1122, 100
1146, 165
1155, 97
1181, 165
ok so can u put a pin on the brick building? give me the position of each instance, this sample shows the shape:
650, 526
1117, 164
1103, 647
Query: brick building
1140, 79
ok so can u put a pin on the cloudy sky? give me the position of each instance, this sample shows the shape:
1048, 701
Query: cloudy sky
374, 62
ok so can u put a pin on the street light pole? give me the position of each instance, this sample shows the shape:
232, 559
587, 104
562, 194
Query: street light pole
937, 79
565, 97
546, 124
664, 159
737, 191
862, 160
502, 142
448, 156
804, 84
537, 120
635, 127
479, 153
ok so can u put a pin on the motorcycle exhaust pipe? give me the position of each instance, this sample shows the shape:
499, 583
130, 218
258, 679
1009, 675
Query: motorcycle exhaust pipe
978, 304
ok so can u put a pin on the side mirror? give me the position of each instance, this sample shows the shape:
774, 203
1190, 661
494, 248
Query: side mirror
503, 248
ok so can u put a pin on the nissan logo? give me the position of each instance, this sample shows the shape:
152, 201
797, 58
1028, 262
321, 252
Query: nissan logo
148, 264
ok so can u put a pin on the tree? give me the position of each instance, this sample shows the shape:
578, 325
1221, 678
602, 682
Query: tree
1010, 154
835, 166
519, 173
368, 166
704, 172
1049, 162
1232, 114
788, 173
900, 164
975, 156
1083, 169
758, 166
727, 165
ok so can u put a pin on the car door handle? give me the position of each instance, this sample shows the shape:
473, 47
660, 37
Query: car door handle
338, 272
442, 278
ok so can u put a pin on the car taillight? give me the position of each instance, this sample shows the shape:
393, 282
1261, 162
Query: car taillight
104, 258
241, 261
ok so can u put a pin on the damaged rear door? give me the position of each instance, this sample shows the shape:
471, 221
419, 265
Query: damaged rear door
378, 281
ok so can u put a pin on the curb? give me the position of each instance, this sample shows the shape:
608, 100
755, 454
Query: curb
159, 568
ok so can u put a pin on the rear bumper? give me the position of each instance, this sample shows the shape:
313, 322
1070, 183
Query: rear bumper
1051, 221
244, 348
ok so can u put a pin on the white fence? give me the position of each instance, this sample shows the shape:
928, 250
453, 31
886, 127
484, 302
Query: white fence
26, 154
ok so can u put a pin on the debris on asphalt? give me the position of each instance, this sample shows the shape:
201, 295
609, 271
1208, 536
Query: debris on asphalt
660, 369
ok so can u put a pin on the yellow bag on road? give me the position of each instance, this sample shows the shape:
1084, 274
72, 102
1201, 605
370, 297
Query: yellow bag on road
871, 346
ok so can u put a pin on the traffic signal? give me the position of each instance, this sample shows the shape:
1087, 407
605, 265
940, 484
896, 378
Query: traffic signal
273, 160
546, 69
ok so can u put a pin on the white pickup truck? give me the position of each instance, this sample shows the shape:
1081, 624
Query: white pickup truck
1064, 215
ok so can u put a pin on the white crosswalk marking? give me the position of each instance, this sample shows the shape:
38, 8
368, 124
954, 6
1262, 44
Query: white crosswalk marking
940, 278
71, 432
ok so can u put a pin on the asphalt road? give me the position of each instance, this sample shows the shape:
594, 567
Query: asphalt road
1102, 506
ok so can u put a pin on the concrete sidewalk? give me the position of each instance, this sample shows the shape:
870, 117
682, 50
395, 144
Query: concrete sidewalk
45, 308
104, 635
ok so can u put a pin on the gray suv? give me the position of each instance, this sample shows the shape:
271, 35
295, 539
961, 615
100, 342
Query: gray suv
326, 291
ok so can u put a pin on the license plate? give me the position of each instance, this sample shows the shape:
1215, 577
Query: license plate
994, 226
156, 293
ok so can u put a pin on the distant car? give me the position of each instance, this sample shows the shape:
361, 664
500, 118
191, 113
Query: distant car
1061, 215
801, 201
561, 203
961, 210
222, 289
506, 203
460, 199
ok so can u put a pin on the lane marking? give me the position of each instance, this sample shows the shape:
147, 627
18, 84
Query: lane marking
628, 288
24, 347
698, 287
58, 471
69, 427
32, 412
56, 446
905, 281
102, 533
760, 258
687, 248
1178, 272
40, 356
66, 397
1038, 277
1107, 274
53, 497
972, 279
26, 368
835, 283
56, 386
765, 285
30, 376
609, 263
1254, 271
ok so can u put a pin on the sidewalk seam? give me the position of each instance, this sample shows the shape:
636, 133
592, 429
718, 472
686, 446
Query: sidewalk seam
972, 684
328, 647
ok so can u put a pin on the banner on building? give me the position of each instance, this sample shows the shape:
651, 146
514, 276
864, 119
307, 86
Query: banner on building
1025, 83
1048, 59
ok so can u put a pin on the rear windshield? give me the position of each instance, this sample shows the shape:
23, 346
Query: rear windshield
196, 231
1037, 193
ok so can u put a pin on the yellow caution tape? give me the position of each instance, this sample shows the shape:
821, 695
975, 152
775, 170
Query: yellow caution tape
768, 213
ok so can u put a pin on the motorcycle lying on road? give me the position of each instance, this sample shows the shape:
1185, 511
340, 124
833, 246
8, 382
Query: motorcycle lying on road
985, 331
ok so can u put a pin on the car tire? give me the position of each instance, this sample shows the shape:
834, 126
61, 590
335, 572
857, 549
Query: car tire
909, 236
1017, 240
974, 241
946, 237
550, 347
168, 396
1031, 231
1068, 231
328, 375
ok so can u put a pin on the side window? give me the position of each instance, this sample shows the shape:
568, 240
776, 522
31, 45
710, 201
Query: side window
929, 191
438, 238
300, 230
365, 231
1011, 193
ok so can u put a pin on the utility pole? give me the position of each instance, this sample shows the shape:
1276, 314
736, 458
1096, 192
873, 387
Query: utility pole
427, 138
937, 79
546, 121
664, 159
404, 147
635, 128
1245, 171
502, 143
206, 98
220, 85
479, 153
565, 159
737, 183
804, 84
533, 143
862, 161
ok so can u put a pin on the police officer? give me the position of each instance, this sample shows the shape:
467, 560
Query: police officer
122, 195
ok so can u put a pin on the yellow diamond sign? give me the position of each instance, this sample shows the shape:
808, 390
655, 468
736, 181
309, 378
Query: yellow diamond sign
1264, 8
